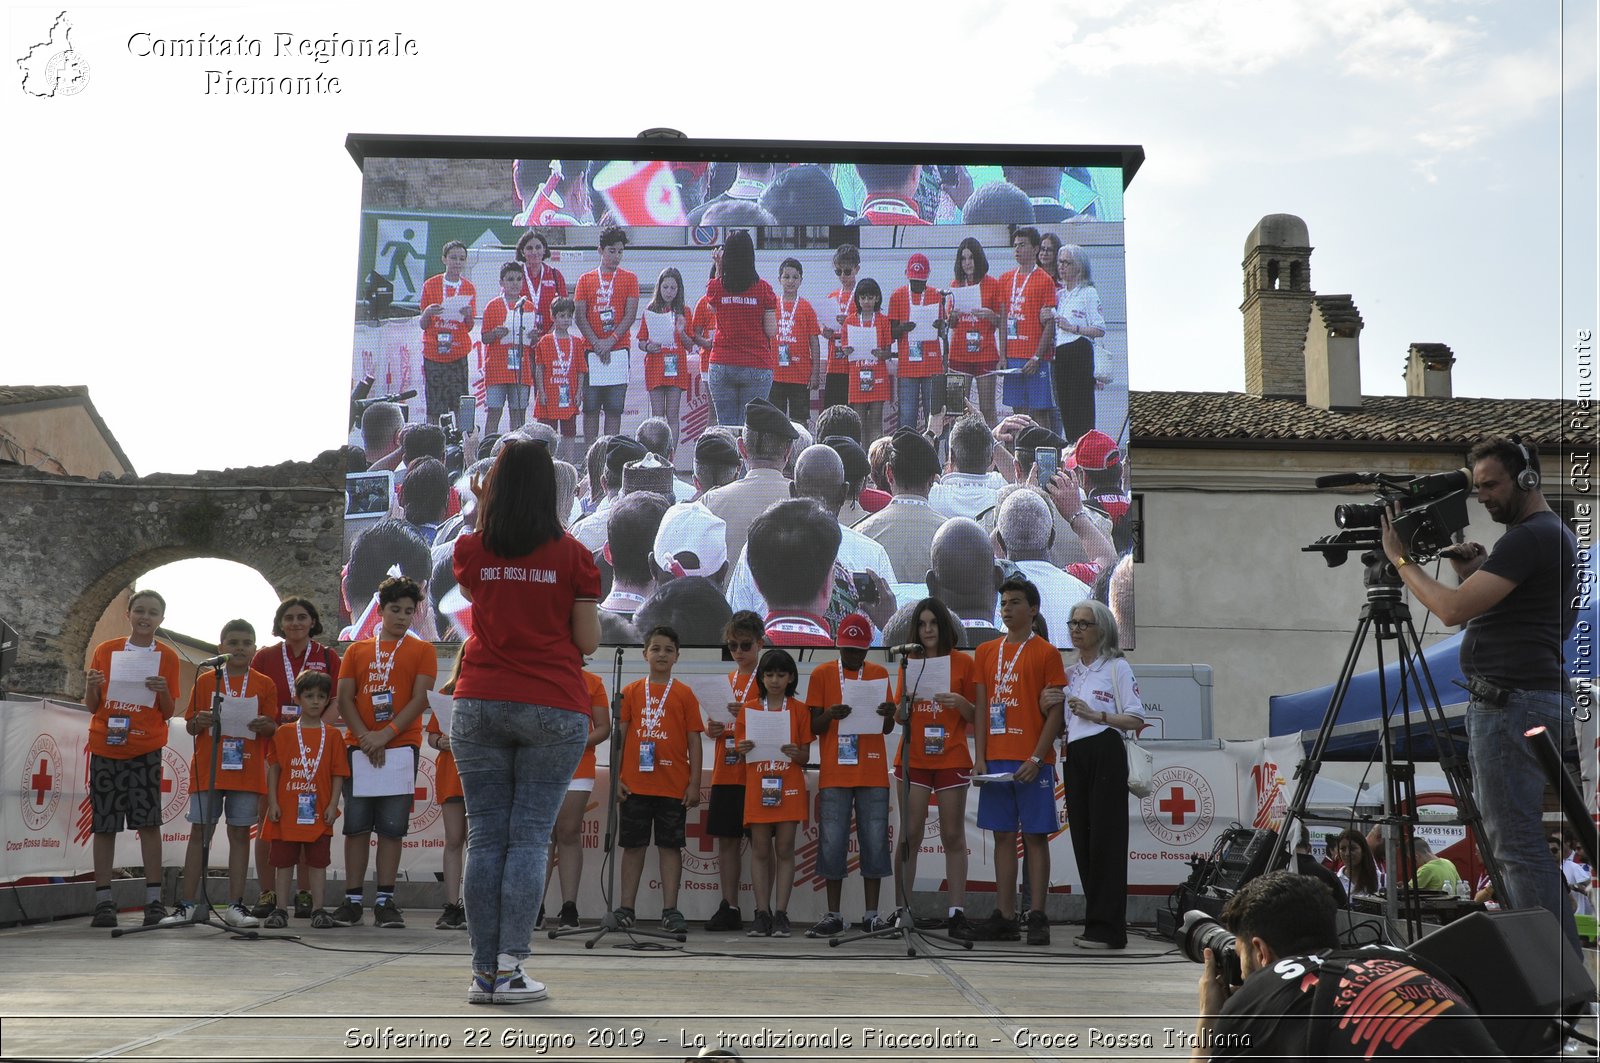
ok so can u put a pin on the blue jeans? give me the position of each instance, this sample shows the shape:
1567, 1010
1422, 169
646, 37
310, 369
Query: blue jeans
515, 762
1508, 786
912, 390
871, 806
734, 385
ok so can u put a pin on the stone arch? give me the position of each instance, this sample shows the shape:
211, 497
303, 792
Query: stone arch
1272, 274
1297, 276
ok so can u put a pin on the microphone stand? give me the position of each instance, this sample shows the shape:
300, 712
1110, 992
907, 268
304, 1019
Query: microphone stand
608, 922
905, 924
202, 904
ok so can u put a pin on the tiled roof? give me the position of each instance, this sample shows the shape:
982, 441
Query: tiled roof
21, 394
1174, 417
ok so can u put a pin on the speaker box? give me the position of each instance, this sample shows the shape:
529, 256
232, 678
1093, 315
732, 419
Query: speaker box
1519, 971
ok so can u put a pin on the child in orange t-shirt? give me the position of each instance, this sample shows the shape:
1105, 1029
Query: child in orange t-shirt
449, 305
725, 815
508, 322
799, 370
666, 365
559, 372
241, 779
869, 380
775, 794
846, 266
566, 840
658, 776
452, 808
303, 801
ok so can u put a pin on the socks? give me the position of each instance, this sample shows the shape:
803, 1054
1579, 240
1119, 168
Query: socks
152, 893
508, 962
955, 912
871, 915
833, 915
102, 894
353, 896
385, 894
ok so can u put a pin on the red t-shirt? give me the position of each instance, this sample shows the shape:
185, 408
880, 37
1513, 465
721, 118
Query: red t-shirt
249, 754
1016, 675
561, 360
670, 356
441, 342
541, 285
665, 717
280, 666
872, 762
496, 356
891, 210
972, 342
1024, 297
741, 339
704, 319
605, 299
797, 327
938, 734
869, 380
919, 348
599, 705
376, 665
521, 648
325, 750
145, 730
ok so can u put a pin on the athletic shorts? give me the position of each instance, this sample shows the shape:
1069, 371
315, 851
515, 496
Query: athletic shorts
725, 813
937, 779
124, 790
641, 812
1011, 806
289, 854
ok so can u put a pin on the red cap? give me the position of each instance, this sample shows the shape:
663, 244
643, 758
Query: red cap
1096, 450
917, 267
855, 632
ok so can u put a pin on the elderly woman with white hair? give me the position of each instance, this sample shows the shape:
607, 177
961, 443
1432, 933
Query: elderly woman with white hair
1079, 322
1102, 701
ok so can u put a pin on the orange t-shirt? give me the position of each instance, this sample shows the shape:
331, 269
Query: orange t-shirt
668, 722
872, 761
1016, 676
250, 754
869, 380
790, 805
496, 356
598, 702
560, 361
446, 779
396, 669
447, 344
670, 356
797, 327
972, 342
334, 763
704, 319
604, 303
1024, 297
936, 727
919, 349
146, 727
728, 766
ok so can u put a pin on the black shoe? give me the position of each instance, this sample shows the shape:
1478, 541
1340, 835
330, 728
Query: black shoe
154, 913
780, 925
347, 914
105, 914
302, 904
454, 917
623, 917
278, 920
1038, 928
727, 917
761, 925
266, 905
999, 928
569, 914
388, 915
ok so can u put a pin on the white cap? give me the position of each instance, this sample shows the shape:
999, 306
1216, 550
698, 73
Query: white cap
689, 527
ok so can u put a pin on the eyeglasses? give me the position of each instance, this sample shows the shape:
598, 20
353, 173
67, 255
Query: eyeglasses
844, 273
1079, 625
742, 646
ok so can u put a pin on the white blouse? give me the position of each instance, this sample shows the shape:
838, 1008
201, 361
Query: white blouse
1107, 685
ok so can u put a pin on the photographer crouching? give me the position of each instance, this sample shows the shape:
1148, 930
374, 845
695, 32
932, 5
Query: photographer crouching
1296, 995
1517, 604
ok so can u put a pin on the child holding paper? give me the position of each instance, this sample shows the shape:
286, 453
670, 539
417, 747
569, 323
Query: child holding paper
305, 762
869, 372
249, 714
916, 313
774, 790
664, 336
383, 690
449, 305
854, 773
559, 375
725, 816
508, 321
452, 801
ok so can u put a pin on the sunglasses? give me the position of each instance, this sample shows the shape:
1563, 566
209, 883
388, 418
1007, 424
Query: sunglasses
742, 646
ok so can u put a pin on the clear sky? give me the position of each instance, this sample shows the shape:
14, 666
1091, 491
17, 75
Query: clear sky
190, 257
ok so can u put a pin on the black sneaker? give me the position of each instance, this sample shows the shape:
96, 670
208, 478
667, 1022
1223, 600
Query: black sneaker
347, 914
321, 919
154, 913
727, 917
388, 915
302, 904
1038, 928
454, 917
826, 927
277, 920
105, 914
761, 925
623, 917
958, 927
1000, 928
266, 905
568, 916
780, 925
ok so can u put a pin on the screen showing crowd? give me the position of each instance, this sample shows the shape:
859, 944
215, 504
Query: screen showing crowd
806, 391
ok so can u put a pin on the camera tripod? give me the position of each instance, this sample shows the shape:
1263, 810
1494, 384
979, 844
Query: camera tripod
1386, 617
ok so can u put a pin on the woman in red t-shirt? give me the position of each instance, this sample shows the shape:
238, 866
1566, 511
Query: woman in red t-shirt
522, 707
972, 343
742, 359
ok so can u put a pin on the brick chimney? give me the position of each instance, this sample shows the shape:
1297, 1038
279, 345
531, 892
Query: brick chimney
1333, 353
1428, 371
1277, 304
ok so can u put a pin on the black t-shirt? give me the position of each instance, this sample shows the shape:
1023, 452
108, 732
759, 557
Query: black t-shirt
1517, 643
1386, 1006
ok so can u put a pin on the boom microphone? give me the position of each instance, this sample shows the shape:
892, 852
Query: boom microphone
212, 662
910, 649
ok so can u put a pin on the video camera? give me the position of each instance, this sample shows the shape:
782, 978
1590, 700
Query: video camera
1432, 511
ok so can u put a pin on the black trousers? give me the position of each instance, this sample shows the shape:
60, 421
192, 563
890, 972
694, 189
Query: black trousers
1095, 770
836, 391
1073, 381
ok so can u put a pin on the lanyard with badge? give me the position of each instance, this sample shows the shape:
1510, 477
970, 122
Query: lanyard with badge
443, 336
383, 699
291, 708
849, 746
602, 299
1019, 292
232, 758
653, 712
786, 331
563, 373
119, 724
305, 811
730, 743
514, 348
974, 337
1003, 674
535, 286
867, 377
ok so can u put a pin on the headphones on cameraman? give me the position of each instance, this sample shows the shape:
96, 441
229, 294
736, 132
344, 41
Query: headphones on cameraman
1527, 478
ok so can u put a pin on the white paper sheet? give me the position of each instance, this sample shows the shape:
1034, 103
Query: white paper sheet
662, 328
236, 716
965, 300
923, 316
769, 731
455, 309
601, 374
397, 776
862, 340
863, 696
129, 670
442, 706
928, 676
993, 776
714, 694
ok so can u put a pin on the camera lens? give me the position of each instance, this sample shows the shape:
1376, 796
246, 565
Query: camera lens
1200, 932
1358, 515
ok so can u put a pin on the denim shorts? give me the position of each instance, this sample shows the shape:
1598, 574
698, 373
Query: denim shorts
513, 395
1008, 806
241, 808
390, 816
605, 398
871, 806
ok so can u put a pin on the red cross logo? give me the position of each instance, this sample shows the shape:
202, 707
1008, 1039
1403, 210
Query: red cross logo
696, 829
420, 793
1177, 806
41, 781
166, 783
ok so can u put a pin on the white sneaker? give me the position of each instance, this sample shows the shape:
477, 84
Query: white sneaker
236, 914
515, 987
183, 913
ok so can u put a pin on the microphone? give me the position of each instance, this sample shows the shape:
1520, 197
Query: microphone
910, 649
1344, 479
1438, 483
214, 662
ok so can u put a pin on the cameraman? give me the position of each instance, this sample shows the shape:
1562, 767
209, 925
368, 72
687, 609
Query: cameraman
1516, 603
1303, 998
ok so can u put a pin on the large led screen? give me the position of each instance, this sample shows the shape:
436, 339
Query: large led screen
804, 390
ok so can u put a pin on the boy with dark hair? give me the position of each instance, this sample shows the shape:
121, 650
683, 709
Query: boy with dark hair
741, 637
660, 776
560, 374
383, 691
607, 301
842, 300
305, 762
241, 763
799, 367
126, 736
508, 323
449, 304
388, 543
891, 194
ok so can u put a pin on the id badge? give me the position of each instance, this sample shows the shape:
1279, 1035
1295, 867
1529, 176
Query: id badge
647, 756
866, 380
771, 791
305, 808
997, 717
783, 355
563, 395
383, 706
849, 750
915, 354
669, 364
974, 342
933, 740
233, 754
513, 359
1011, 329
607, 316
445, 339
117, 731
290, 711
730, 751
